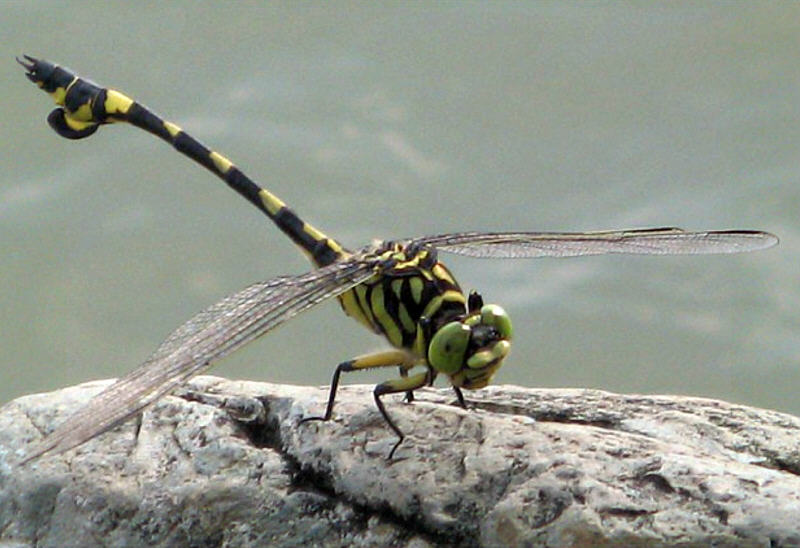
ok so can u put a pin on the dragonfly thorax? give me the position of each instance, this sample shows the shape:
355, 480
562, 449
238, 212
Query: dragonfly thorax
410, 297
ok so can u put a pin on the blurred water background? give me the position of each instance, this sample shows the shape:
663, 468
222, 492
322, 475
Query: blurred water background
394, 120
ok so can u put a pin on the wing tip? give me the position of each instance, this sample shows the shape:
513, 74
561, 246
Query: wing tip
770, 240
758, 238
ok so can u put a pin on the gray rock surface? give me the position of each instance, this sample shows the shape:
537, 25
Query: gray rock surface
524, 467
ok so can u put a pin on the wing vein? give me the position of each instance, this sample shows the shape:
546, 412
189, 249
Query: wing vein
206, 337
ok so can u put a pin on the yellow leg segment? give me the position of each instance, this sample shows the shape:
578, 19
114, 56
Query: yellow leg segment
386, 358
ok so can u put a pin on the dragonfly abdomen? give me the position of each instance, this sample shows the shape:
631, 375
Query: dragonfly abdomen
84, 106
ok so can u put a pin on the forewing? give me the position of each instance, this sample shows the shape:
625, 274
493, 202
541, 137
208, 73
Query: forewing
191, 349
651, 241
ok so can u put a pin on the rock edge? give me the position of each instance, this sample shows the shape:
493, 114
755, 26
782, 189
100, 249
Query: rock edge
550, 467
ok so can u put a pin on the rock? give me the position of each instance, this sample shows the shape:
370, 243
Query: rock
523, 467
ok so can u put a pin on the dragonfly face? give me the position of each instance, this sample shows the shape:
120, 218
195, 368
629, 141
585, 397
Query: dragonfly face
471, 350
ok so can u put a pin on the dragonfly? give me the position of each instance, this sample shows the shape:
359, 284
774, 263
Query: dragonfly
398, 289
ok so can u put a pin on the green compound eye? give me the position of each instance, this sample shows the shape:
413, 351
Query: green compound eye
484, 358
448, 348
494, 315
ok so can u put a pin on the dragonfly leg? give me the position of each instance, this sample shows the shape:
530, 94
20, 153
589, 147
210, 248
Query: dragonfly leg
403, 384
386, 358
460, 396
410, 394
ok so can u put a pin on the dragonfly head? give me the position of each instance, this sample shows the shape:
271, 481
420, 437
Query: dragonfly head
471, 349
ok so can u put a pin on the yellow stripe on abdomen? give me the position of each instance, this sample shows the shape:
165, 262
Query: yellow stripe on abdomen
221, 162
270, 201
117, 103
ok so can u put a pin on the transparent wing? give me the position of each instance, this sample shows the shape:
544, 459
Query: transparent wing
191, 349
650, 241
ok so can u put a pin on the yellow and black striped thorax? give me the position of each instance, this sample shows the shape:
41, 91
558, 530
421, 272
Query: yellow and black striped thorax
409, 301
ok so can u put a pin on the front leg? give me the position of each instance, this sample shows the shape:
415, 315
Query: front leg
460, 396
410, 394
